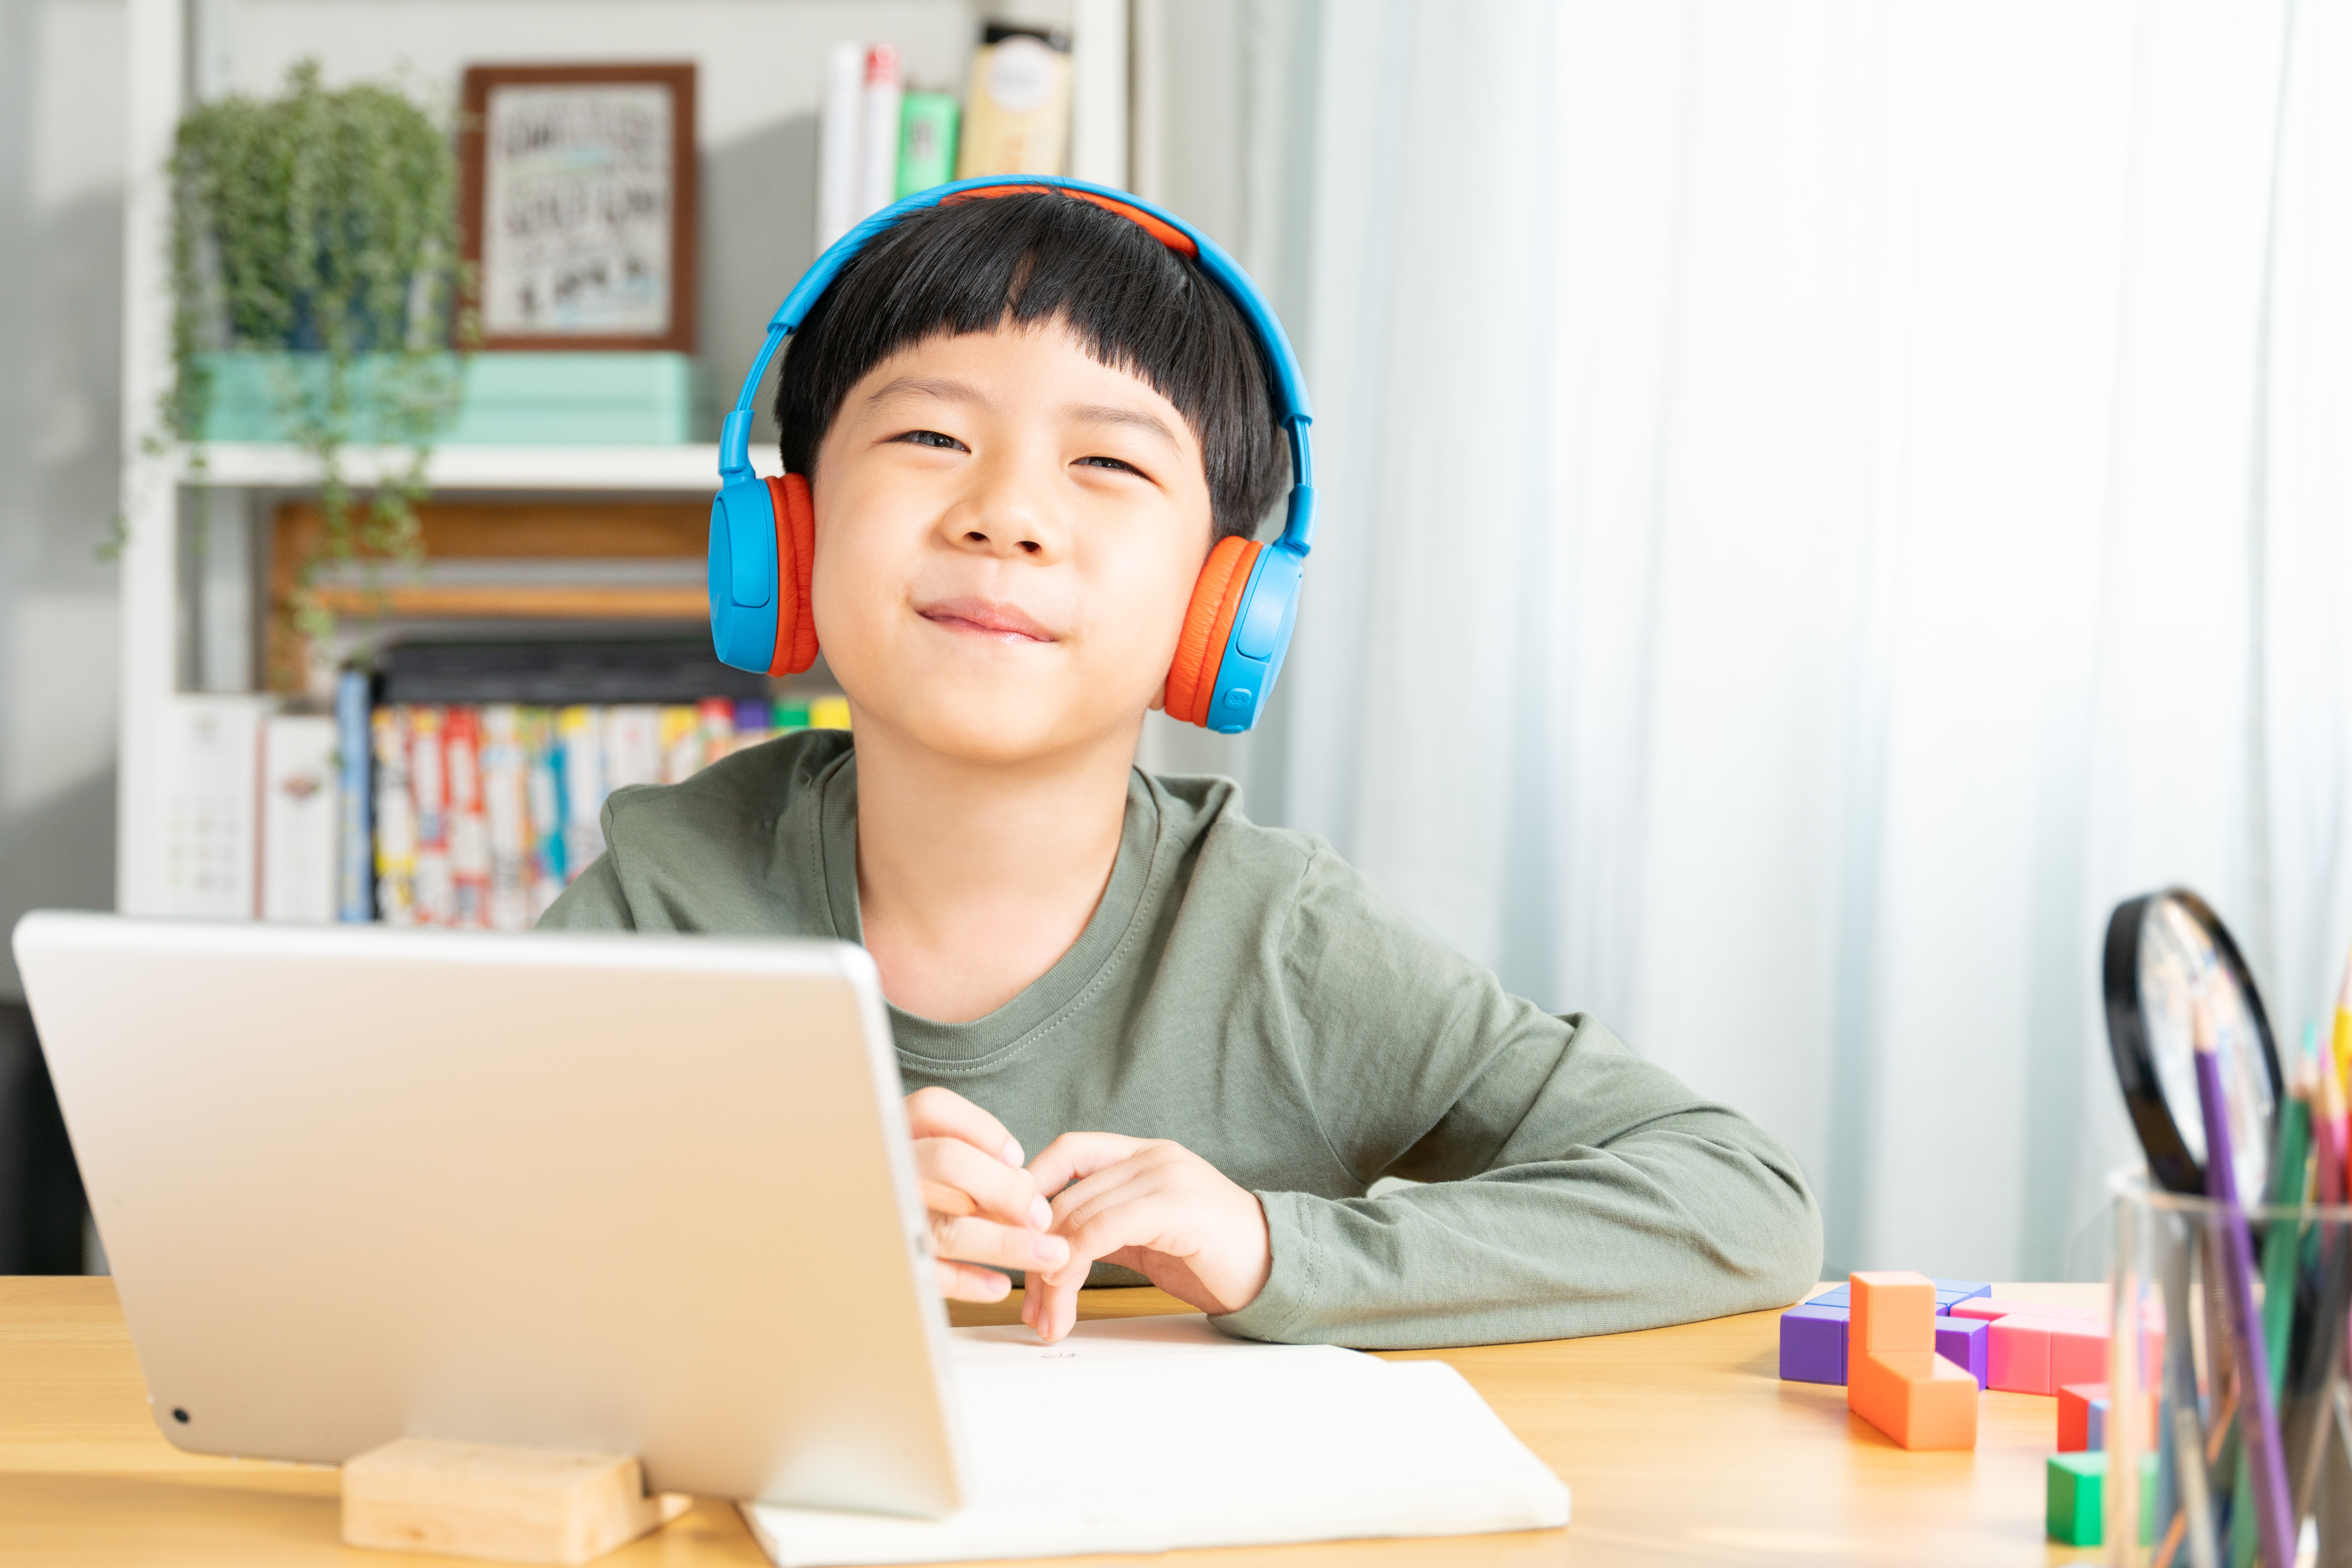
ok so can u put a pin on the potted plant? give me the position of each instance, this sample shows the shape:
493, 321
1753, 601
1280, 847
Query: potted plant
319, 292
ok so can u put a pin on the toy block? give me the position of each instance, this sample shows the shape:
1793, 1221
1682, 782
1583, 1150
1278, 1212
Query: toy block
2074, 1400
1916, 1397
1962, 1341
1986, 1307
1891, 1310
1981, 1309
2017, 1353
1813, 1344
2078, 1352
1961, 1289
2094, 1426
2075, 1510
1841, 1297
518, 1505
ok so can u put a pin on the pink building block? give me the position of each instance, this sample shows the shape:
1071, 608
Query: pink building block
1982, 1307
2027, 1352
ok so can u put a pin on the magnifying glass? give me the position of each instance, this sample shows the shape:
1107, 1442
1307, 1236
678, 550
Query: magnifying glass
2165, 950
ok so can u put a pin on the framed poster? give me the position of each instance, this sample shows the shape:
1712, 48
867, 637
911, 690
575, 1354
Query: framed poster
578, 205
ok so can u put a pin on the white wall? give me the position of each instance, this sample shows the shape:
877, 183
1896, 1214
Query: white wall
60, 279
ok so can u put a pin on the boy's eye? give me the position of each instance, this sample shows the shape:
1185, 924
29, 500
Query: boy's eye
932, 438
1112, 463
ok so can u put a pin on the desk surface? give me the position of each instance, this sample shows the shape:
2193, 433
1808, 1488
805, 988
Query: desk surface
1682, 1446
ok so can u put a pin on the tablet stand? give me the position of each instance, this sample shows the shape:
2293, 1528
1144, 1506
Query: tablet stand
518, 1505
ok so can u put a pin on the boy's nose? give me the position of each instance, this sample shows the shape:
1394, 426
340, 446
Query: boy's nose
1003, 516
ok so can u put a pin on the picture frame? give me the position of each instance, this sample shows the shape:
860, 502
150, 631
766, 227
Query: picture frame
577, 204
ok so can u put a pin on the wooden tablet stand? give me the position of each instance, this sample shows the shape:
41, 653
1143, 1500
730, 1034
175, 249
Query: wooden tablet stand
517, 1505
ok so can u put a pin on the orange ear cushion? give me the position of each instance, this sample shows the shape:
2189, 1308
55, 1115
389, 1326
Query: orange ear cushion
1208, 622
796, 557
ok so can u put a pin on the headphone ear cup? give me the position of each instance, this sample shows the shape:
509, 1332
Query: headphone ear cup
1217, 596
795, 559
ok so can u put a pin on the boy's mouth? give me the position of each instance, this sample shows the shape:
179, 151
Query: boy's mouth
985, 616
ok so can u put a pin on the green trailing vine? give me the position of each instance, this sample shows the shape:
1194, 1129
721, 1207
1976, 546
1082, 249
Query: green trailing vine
324, 222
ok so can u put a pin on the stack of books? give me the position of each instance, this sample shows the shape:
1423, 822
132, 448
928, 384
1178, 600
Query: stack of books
484, 812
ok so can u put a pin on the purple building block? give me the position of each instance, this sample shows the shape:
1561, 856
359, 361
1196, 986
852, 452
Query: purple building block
1962, 1341
1813, 1344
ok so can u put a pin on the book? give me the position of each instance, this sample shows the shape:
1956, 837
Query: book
395, 819
469, 828
878, 148
354, 873
212, 757
632, 745
927, 140
1017, 113
580, 732
506, 814
435, 895
301, 818
839, 131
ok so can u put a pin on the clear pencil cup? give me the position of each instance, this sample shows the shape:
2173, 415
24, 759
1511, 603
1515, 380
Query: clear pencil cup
2185, 1479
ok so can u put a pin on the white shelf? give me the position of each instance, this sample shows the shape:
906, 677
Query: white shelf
647, 469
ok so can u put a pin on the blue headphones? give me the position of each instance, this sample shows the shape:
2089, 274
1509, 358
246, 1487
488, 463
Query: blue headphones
1245, 604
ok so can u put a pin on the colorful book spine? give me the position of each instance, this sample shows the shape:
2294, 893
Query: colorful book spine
542, 753
927, 140
470, 829
436, 893
395, 820
582, 731
484, 815
354, 875
506, 813
878, 147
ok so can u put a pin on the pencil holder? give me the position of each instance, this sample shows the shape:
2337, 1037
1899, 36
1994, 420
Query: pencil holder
2185, 1479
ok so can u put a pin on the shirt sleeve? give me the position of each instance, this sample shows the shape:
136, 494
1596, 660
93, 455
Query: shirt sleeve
595, 901
1572, 1188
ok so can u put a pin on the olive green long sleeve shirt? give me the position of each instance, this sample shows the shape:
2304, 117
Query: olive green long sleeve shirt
1242, 990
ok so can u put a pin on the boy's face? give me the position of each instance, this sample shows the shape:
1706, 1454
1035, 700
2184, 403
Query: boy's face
1007, 535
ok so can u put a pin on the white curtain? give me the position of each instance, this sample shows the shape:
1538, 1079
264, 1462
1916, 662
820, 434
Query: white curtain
1823, 501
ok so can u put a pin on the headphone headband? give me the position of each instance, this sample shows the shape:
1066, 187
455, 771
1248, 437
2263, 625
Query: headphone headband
1289, 384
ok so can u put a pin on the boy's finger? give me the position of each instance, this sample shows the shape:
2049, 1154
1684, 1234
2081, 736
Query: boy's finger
1076, 1154
1048, 1309
937, 1113
988, 1186
976, 1241
960, 1282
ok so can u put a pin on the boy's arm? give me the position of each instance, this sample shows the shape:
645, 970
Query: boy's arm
1575, 1188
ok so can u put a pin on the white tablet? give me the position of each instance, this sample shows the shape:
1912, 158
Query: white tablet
637, 1194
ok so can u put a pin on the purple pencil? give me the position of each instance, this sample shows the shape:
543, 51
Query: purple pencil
2266, 1460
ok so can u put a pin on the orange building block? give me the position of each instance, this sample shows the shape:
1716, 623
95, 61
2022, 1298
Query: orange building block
1889, 1312
1895, 1379
1916, 1397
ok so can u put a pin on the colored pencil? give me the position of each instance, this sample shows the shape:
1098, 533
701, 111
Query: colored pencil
2266, 1467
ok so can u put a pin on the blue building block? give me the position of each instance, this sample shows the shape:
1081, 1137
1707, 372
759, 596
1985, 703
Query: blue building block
2096, 1425
1839, 1297
1961, 1289
1963, 1341
1813, 1345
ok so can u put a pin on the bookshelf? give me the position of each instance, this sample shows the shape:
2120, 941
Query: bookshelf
222, 530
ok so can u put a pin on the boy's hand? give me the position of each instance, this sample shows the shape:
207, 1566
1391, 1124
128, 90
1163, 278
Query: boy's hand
984, 1207
1153, 1207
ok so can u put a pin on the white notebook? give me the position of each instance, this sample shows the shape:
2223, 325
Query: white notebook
1151, 1434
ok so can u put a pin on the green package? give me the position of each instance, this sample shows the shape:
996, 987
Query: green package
927, 140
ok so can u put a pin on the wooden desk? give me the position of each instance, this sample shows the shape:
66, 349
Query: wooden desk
1681, 1446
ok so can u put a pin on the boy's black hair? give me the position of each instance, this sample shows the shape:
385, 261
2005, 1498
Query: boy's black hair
1029, 259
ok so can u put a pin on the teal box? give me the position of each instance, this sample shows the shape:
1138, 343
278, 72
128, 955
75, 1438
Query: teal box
508, 399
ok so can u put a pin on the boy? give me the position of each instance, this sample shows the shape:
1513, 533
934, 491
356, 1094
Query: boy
1024, 423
